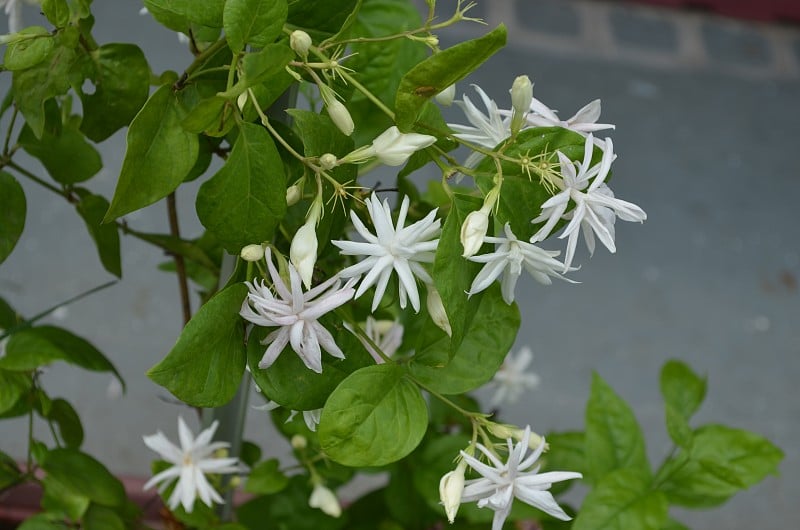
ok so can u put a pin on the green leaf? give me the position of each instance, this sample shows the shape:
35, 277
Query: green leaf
33, 86
453, 274
263, 65
84, 475
66, 155
9, 472
177, 14
381, 65
213, 116
289, 382
721, 461
121, 85
12, 214
41, 521
205, 367
677, 427
100, 517
266, 478
191, 250
57, 12
613, 437
33, 347
374, 417
59, 498
441, 70
522, 195
68, 421
322, 18
246, 199
28, 52
672, 524
254, 22
159, 156
92, 208
622, 500
480, 354
683, 390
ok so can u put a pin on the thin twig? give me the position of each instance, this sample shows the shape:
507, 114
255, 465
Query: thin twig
180, 265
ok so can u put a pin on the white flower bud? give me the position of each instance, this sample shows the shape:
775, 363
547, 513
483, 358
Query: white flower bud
505, 431
446, 96
328, 161
521, 94
252, 253
299, 442
340, 116
300, 42
325, 500
303, 251
241, 101
393, 147
473, 231
451, 486
292, 195
436, 310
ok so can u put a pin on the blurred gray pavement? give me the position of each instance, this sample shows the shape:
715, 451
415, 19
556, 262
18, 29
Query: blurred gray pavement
706, 112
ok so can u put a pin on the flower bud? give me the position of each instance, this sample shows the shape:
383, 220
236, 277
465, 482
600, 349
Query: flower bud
521, 94
241, 101
300, 42
252, 253
325, 500
299, 442
340, 116
303, 251
292, 195
436, 310
328, 161
393, 147
446, 96
451, 486
506, 431
473, 231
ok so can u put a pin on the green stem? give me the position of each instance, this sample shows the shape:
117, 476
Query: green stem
29, 465
24, 172
10, 130
199, 61
370, 96
443, 399
180, 264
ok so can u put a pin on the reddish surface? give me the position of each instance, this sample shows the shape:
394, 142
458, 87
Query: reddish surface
765, 10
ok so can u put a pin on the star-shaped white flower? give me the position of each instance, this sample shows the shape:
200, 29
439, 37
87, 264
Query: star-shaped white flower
512, 380
500, 482
596, 208
487, 130
508, 259
295, 313
398, 248
190, 464
583, 122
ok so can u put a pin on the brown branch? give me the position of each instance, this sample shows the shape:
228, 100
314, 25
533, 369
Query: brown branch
180, 265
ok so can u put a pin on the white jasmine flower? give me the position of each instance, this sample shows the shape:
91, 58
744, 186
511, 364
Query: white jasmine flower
398, 248
303, 250
190, 464
487, 130
386, 334
512, 380
446, 96
310, 418
325, 500
295, 313
451, 486
391, 147
583, 122
500, 482
508, 259
596, 208
436, 310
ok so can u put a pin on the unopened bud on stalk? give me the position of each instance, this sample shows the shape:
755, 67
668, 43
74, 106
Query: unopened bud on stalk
451, 487
303, 251
521, 98
446, 96
328, 161
300, 42
325, 500
337, 112
436, 310
473, 231
252, 253
293, 195
241, 101
299, 442
506, 431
